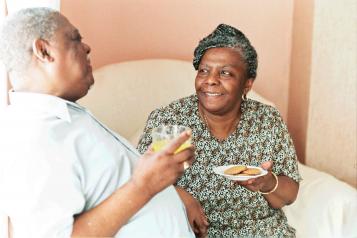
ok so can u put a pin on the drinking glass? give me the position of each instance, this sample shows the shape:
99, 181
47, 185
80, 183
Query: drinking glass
163, 134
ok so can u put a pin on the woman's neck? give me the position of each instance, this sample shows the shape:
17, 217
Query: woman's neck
221, 126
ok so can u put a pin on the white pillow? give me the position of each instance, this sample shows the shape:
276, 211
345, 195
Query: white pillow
135, 137
257, 97
325, 207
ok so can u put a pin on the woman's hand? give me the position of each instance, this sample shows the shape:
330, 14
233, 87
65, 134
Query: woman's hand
195, 213
285, 192
264, 183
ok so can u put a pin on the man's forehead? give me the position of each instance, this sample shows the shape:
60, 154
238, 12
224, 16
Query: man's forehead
69, 29
67, 25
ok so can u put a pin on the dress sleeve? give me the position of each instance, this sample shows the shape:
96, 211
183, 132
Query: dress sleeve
285, 159
154, 120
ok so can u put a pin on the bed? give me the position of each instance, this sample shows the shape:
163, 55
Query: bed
125, 93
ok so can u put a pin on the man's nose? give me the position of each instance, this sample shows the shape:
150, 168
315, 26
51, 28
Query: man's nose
87, 48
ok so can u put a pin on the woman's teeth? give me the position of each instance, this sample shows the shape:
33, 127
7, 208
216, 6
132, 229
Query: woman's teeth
213, 94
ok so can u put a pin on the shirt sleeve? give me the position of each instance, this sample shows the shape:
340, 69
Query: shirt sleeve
41, 192
285, 161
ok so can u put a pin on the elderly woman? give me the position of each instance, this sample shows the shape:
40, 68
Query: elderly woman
229, 128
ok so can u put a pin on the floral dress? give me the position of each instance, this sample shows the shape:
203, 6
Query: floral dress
261, 135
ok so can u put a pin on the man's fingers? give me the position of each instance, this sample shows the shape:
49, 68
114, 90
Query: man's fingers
186, 155
150, 150
177, 142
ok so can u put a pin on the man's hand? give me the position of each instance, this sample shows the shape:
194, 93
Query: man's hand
195, 213
153, 173
157, 170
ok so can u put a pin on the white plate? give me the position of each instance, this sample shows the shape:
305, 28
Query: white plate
220, 171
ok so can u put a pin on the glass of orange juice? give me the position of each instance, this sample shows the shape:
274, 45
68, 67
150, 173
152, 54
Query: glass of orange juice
163, 134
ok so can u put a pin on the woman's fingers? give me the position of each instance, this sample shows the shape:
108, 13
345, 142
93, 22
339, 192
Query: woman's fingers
202, 227
205, 220
267, 165
195, 228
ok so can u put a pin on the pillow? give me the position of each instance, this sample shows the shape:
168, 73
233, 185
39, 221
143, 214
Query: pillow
257, 97
135, 137
325, 206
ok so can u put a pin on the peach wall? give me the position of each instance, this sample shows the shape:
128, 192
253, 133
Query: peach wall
322, 100
120, 30
300, 71
331, 143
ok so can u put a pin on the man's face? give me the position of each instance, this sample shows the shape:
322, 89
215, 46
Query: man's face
71, 71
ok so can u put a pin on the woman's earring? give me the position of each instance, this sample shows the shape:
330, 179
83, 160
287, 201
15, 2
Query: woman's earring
244, 97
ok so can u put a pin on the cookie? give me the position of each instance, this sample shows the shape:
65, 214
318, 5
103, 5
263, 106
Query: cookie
251, 171
235, 170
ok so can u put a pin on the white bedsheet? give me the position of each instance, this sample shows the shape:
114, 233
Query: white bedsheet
325, 207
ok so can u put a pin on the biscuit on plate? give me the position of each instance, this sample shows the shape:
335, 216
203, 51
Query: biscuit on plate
234, 170
251, 171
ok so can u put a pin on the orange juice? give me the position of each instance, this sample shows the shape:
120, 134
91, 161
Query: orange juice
160, 144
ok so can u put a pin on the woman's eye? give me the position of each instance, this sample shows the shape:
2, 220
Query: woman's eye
225, 73
202, 71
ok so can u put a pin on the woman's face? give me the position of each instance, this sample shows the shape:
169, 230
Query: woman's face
221, 80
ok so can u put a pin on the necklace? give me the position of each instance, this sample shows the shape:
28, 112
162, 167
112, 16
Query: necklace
203, 115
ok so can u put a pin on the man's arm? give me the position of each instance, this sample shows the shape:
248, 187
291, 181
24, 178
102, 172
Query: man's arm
154, 172
108, 217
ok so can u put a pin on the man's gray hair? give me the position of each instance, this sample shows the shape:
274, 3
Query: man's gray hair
225, 36
18, 33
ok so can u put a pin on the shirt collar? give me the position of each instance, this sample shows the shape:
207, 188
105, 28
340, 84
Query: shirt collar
43, 103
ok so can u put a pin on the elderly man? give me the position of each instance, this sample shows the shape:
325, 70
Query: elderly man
62, 172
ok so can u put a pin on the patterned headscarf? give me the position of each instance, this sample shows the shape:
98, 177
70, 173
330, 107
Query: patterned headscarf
225, 36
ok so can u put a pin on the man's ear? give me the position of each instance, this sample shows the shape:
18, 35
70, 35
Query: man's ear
41, 50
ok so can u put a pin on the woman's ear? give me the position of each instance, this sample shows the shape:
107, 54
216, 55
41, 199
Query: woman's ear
248, 85
41, 50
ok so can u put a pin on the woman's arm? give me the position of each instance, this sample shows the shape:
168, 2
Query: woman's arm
285, 192
195, 213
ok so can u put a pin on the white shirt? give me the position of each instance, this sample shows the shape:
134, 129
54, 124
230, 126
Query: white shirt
57, 160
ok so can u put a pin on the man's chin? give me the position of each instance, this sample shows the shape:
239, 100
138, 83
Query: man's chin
91, 82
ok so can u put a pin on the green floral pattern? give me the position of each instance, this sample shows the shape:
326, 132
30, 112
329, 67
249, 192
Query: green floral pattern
261, 135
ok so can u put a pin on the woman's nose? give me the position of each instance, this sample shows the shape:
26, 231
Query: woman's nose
212, 79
